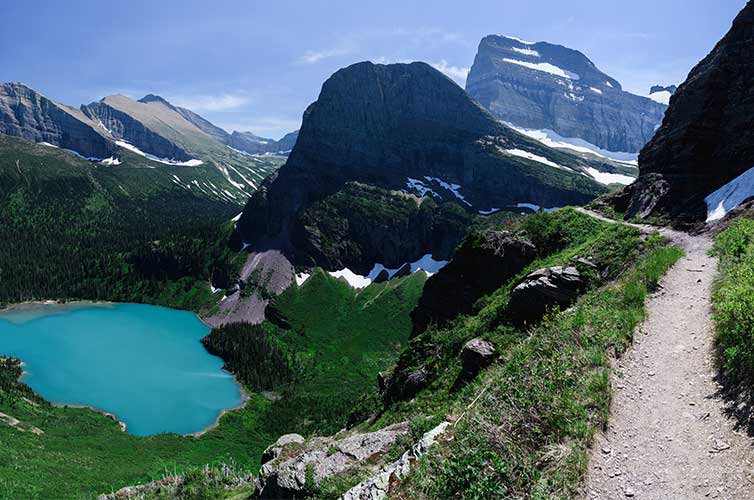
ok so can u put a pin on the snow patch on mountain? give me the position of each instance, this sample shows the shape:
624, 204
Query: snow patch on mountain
453, 188
534, 207
545, 68
531, 156
517, 39
609, 178
526, 52
111, 161
552, 139
663, 97
166, 161
728, 197
489, 212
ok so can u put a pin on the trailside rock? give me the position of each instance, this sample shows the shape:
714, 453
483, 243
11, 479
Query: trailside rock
544, 289
476, 355
291, 475
480, 266
550, 87
707, 137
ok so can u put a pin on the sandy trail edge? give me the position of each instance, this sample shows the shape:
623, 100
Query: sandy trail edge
668, 437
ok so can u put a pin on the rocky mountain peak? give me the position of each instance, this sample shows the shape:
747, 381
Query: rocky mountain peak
557, 90
659, 88
155, 98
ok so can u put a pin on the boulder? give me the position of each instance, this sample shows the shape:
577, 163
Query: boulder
274, 450
476, 355
544, 289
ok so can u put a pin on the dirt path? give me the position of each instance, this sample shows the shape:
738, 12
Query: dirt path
668, 437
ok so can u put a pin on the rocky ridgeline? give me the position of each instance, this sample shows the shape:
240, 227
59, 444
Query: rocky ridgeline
545, 86
707, 137
26, 113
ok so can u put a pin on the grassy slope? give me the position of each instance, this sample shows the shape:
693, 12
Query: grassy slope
733, 300
343, 338
528, 433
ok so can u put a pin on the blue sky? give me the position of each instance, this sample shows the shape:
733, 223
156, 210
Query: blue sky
252, 65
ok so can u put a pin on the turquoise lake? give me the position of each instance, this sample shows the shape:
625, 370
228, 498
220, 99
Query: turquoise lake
144, 364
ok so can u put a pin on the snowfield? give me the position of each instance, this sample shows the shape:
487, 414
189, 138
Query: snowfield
545, 68
728, 197
531, 156
166, 161
608, 178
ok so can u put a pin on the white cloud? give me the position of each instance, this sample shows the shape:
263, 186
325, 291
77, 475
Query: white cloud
315, 56
224, 102
457, 73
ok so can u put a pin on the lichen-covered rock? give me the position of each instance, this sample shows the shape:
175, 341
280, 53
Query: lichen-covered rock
378, 486
291, 475
274, 450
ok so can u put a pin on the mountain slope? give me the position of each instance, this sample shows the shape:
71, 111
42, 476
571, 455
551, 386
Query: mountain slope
403, 140
549, 87
138, 231
698, 164
28, 114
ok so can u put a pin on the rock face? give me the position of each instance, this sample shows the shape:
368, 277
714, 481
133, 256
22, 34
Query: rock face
549, 87
151, 124
401, 127
707, 137
480, 266
544, 289
26, 113
297, 467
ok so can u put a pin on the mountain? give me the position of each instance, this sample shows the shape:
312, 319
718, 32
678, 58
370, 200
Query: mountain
151, 128
559, 91
395, 161
253, 144
26, 113
698, 165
